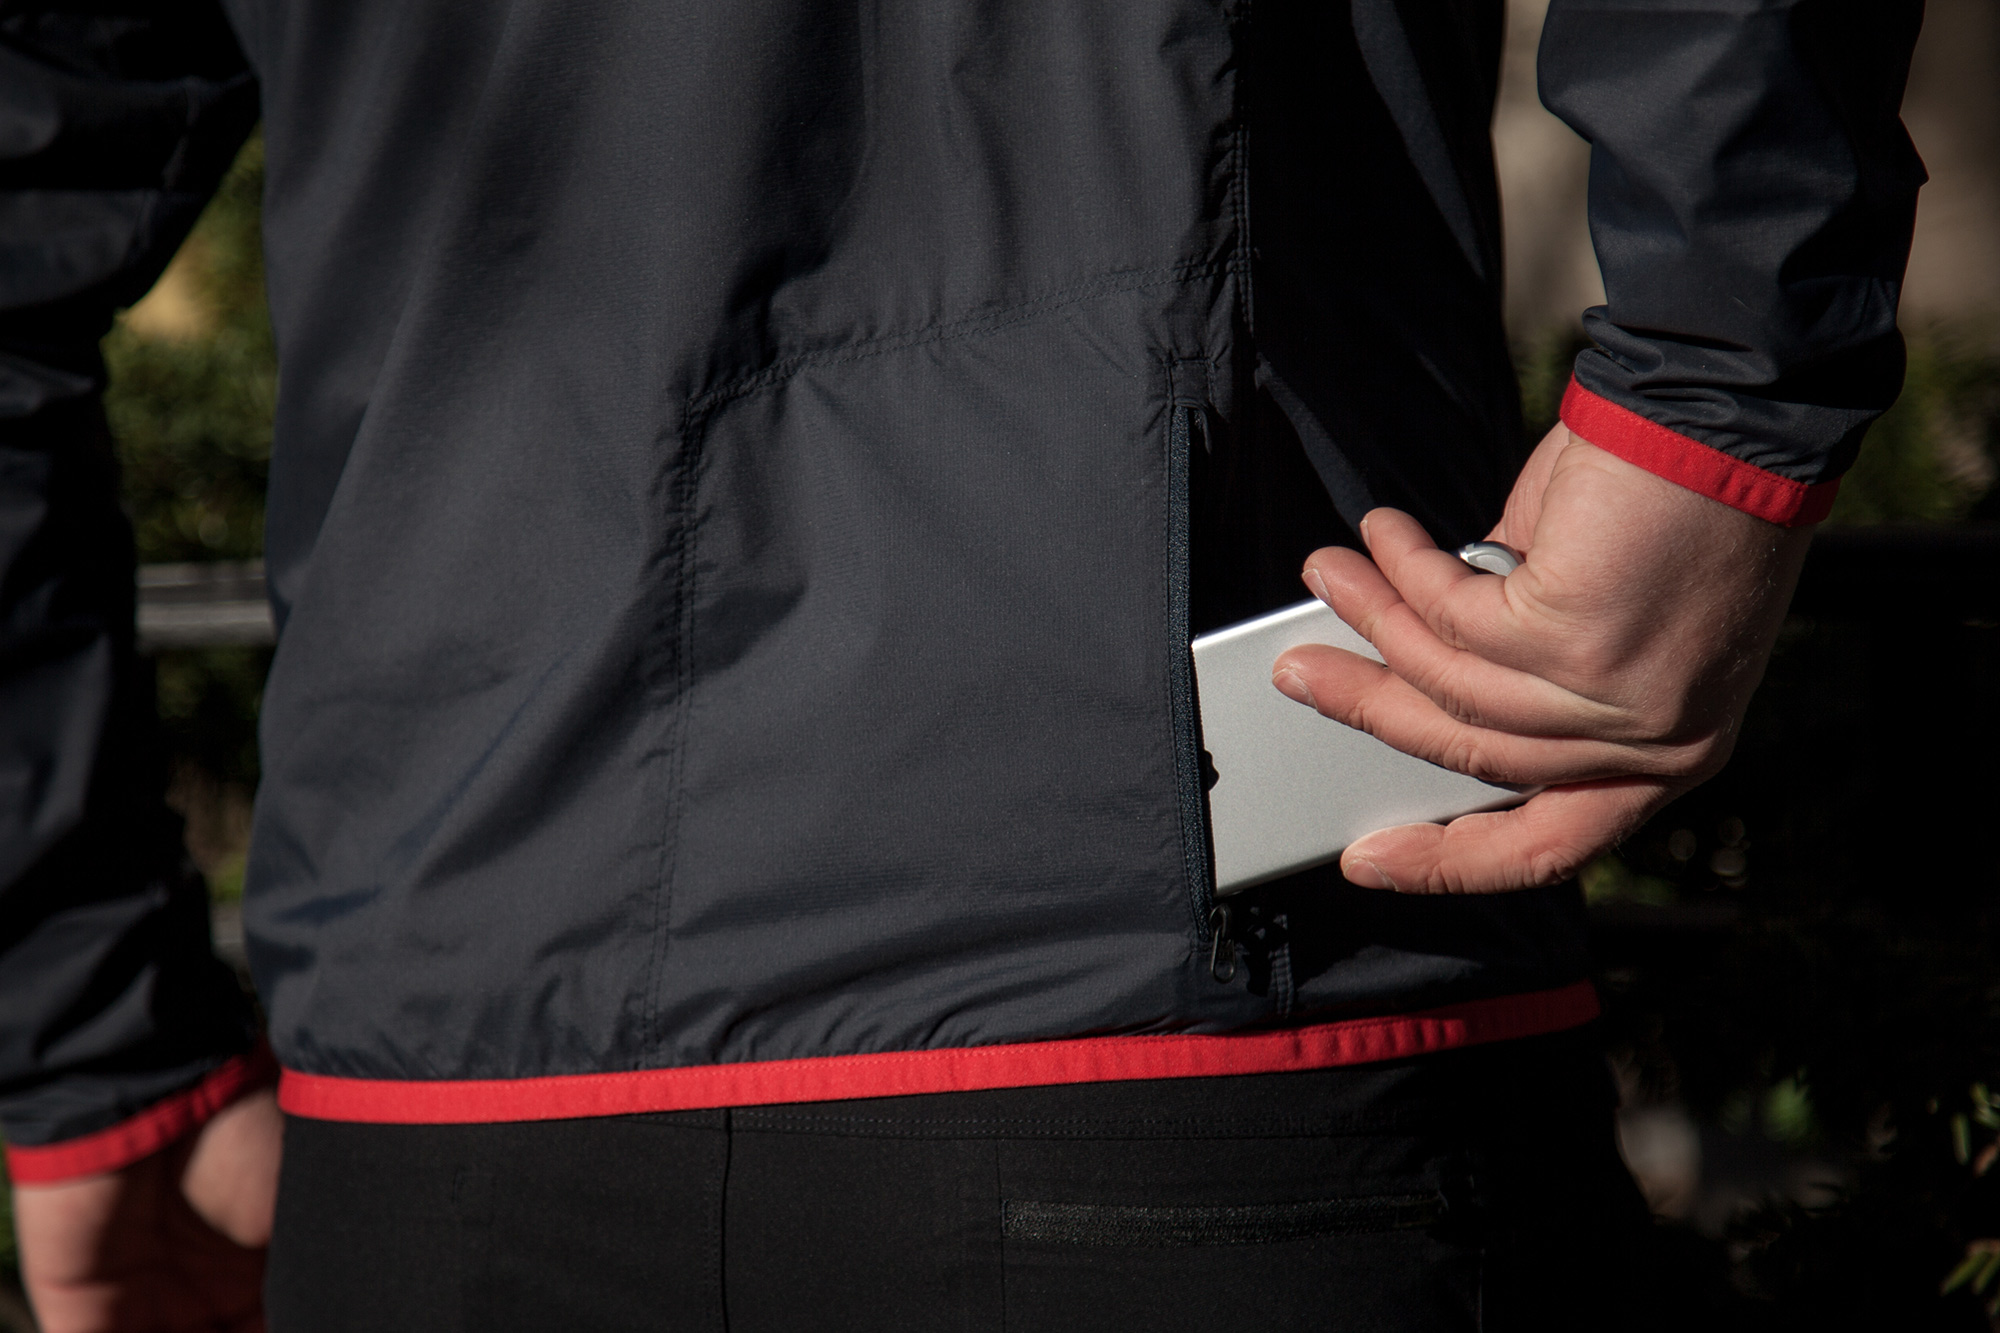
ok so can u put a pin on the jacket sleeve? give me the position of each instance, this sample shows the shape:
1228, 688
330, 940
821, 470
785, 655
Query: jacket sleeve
1752, 193
119, 1029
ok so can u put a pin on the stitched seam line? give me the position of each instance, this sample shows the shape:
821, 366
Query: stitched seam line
686, 472
966, 326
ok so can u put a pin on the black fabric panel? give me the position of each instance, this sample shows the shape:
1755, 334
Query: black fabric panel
1375, 230
601, 1225
1479, 1189
1752, 194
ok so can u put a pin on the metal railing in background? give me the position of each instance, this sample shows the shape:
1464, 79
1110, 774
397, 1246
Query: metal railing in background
1932, 574
1880, 580
214, 605
1851, 575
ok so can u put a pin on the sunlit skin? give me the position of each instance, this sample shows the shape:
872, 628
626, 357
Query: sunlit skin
170, 1244
1612, 668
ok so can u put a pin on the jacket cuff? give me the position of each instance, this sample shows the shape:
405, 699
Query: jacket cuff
1690, 463
164, 1122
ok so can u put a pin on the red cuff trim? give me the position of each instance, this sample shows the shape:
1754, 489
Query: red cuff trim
962, 1069
1692, 464
146, 1133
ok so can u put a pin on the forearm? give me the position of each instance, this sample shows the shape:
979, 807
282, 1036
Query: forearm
116, 128
1752, 194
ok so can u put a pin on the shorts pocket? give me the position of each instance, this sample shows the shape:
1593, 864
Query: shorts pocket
1214, 1224
1320, 1233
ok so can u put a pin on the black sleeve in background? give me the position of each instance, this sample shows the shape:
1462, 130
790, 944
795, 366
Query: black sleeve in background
117, 120
1752, 193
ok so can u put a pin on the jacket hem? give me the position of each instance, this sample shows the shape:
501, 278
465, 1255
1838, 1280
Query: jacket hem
962, 1069
1694, 465
164, 1122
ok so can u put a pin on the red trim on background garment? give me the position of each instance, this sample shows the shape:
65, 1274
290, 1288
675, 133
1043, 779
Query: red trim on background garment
144, 1134
960, 1069
1692, 464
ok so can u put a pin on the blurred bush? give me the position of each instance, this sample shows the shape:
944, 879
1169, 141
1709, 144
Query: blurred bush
193, 381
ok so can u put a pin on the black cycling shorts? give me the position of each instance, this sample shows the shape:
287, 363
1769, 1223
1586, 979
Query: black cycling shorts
1476, 1189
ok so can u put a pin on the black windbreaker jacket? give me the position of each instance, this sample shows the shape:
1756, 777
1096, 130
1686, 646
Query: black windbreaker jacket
746, 475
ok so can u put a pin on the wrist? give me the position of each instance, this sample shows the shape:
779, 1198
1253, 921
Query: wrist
1695, 466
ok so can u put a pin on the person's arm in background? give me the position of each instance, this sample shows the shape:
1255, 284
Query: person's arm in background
137, 1138
1752, 194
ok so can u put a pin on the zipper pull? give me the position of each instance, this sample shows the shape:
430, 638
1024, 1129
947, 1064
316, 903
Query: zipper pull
1222, 949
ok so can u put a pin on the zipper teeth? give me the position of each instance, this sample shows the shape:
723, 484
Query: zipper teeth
1180, 676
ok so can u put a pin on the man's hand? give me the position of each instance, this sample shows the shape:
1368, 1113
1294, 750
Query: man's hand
170, 1243
1612, 667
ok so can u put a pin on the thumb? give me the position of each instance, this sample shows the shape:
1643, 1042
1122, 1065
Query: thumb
1545, 841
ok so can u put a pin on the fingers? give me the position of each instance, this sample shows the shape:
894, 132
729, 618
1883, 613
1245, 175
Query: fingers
1545, 841
1479, 693
1458, 634
1369, 697
1437, 584
1406, 569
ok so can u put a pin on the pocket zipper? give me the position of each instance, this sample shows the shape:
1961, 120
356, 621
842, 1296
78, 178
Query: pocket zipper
1211, 920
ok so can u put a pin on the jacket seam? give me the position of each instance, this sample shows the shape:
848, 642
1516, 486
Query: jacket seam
1241, 256
968, 326
683, 481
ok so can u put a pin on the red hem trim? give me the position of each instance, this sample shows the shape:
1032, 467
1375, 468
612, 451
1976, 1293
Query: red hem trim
962, 1069
1690, 463
144, 1134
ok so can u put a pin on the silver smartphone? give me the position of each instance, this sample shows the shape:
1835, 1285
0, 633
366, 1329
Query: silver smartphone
1292, 788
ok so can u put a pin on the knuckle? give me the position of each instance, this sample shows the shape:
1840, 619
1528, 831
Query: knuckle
1357, 711
1451, 880
1443, 618
1463, 708
1473, 756
1552, 865
1443, 684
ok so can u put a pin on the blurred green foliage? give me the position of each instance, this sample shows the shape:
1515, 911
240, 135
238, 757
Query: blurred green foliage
1930, 459
192, 388
190, 406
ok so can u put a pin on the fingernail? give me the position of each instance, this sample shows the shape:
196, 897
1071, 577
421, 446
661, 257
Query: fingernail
1313, 581
1293, 687
1366, 874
